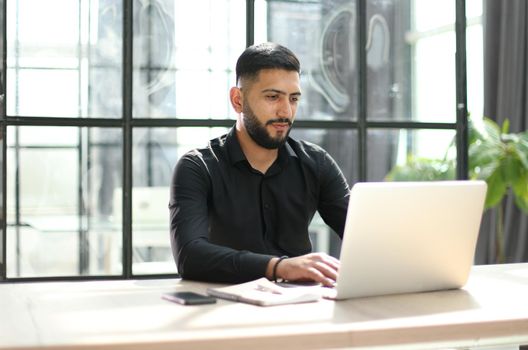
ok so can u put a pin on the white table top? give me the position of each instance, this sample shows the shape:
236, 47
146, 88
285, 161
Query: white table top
491, 309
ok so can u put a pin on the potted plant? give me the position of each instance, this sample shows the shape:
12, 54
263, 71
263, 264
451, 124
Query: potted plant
495, 155
501, 159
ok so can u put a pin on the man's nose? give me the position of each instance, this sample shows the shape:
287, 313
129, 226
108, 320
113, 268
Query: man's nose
285, 109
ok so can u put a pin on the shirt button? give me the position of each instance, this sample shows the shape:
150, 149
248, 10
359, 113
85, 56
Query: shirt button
266, 206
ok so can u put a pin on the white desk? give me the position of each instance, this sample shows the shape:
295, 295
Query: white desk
491, 310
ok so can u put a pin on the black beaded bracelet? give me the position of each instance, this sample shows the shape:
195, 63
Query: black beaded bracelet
275, 267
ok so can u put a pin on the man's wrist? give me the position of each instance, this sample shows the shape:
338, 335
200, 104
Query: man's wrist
269, 268
272, 268
275, 276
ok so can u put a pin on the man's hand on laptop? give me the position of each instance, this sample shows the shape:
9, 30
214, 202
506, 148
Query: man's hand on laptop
318, 267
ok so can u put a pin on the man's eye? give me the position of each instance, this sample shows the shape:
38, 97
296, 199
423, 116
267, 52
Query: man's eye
272, 97
295, 99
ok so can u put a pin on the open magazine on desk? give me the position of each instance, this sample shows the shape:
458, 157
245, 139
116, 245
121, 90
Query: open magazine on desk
263, 292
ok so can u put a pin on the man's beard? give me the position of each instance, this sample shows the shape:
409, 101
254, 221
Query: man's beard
258, 132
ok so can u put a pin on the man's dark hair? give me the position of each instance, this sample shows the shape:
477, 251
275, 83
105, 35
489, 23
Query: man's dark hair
265, 56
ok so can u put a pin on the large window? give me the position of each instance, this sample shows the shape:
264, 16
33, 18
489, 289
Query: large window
100, 98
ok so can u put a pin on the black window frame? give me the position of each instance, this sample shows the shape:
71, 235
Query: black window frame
127, 123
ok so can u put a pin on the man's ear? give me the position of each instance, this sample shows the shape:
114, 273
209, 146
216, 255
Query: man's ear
235, 96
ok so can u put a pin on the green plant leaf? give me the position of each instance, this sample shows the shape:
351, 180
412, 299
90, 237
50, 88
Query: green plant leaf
485, 171
524, 136
483, 153
491, 131
506, 126
511, 169
487, 145
520, 189
475, 128
521, 148
496, 189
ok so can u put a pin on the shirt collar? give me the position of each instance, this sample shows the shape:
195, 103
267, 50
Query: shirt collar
233, 147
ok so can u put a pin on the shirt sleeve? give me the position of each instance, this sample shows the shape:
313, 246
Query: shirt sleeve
196, 257
334, 195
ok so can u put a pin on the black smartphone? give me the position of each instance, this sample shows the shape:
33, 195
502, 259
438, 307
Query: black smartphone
189, 298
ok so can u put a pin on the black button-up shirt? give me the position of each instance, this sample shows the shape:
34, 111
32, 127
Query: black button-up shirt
227, 220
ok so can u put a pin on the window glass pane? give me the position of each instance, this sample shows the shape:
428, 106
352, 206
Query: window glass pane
475, 58
388, 60
183, 62
261, 21
71, 65
323, 36
193, 96
433, 45
473, 8
102, 57
156, 151
434, 93
60, 199
52, 136
411, 154
411, 60
54, 44
431, 14
37, 98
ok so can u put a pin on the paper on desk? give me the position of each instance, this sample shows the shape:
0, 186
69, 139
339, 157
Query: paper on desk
263, 292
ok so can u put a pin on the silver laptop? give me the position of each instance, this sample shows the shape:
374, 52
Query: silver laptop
403, 237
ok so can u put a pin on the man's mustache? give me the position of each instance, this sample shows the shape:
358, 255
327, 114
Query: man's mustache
279, 120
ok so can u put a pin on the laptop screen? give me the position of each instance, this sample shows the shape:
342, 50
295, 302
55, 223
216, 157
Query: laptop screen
409, 236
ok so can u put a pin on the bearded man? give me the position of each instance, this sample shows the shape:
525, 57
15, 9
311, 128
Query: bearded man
240, 208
